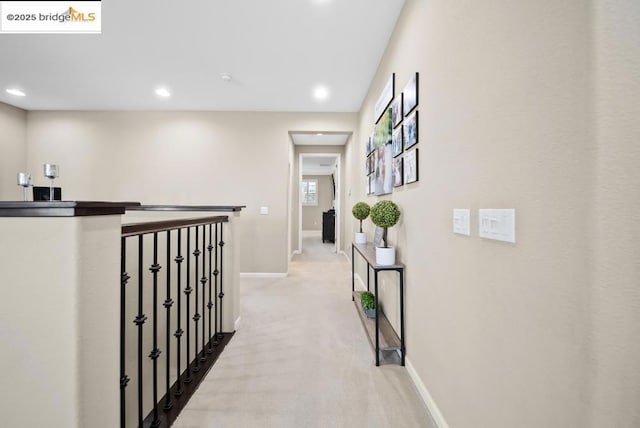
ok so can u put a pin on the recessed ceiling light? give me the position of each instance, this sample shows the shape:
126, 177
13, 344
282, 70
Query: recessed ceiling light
16, 92
163, 92
319, 134
226, 77
321, 93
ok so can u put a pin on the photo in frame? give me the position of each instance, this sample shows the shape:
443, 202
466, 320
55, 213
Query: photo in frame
410, 94
372, 184
398, 172
383, 166
396, 110
385, 98
410, 130
377, 237
410, 166
396, 142
369, 147
383, 174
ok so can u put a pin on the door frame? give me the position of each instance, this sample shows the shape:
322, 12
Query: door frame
338, 195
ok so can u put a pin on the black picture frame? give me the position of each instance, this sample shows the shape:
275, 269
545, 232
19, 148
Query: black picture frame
369, 164
396, 110
397, 142
410, 94
411, 166
398, 171
410, 130
369, 148
385, 98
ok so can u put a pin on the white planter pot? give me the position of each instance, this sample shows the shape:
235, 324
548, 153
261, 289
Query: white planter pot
385, 256
361, 238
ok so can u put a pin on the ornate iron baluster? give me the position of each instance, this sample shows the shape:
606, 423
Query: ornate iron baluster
178, 334
210, 303
196, 315
216, 272
139, 321
168, 303
155, 353
203, 281
221, 295
124, 379
187, 292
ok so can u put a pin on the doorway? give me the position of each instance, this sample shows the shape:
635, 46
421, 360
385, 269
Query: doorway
319, 202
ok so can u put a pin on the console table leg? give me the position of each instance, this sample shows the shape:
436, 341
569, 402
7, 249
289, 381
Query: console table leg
402, 350
353, 274
375, 284
368, 271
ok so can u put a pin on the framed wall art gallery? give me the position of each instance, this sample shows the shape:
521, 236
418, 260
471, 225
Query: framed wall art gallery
391, 150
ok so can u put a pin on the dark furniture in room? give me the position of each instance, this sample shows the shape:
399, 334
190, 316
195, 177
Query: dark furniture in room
329, 226
41, 193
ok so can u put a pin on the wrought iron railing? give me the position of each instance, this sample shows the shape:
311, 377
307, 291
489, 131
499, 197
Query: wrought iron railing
153, 351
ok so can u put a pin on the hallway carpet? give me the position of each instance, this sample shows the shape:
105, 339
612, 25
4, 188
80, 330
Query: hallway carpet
300, 358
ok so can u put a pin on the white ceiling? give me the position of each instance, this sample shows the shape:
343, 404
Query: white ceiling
319, 139
318, 165
277, 51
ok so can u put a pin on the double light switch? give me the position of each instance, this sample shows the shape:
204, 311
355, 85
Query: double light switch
498, 224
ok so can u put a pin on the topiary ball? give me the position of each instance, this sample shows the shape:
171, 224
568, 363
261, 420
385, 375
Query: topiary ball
385, 214
361, 210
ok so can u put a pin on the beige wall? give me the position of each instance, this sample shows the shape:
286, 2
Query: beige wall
183, 158
615, 295
312, 214
60, 344
542, 332
13, 151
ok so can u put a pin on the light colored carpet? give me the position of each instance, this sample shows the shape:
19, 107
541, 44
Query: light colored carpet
301, 358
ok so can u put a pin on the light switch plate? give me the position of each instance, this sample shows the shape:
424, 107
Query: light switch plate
462, 221
498, 224
264, 210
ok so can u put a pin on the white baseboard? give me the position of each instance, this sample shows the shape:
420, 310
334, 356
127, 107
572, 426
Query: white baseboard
236, 324
360, 285
346, 256
293, 253
426, 397
263, 274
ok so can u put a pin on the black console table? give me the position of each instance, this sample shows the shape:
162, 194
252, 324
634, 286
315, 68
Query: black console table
379, 330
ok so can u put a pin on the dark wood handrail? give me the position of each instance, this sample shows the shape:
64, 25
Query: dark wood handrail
134, 229
219, 208
62, 208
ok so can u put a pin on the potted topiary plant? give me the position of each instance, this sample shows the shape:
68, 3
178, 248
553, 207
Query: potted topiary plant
368, 301
385, 214
361, 211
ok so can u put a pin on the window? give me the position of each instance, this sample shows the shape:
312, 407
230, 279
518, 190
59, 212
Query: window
309, 192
